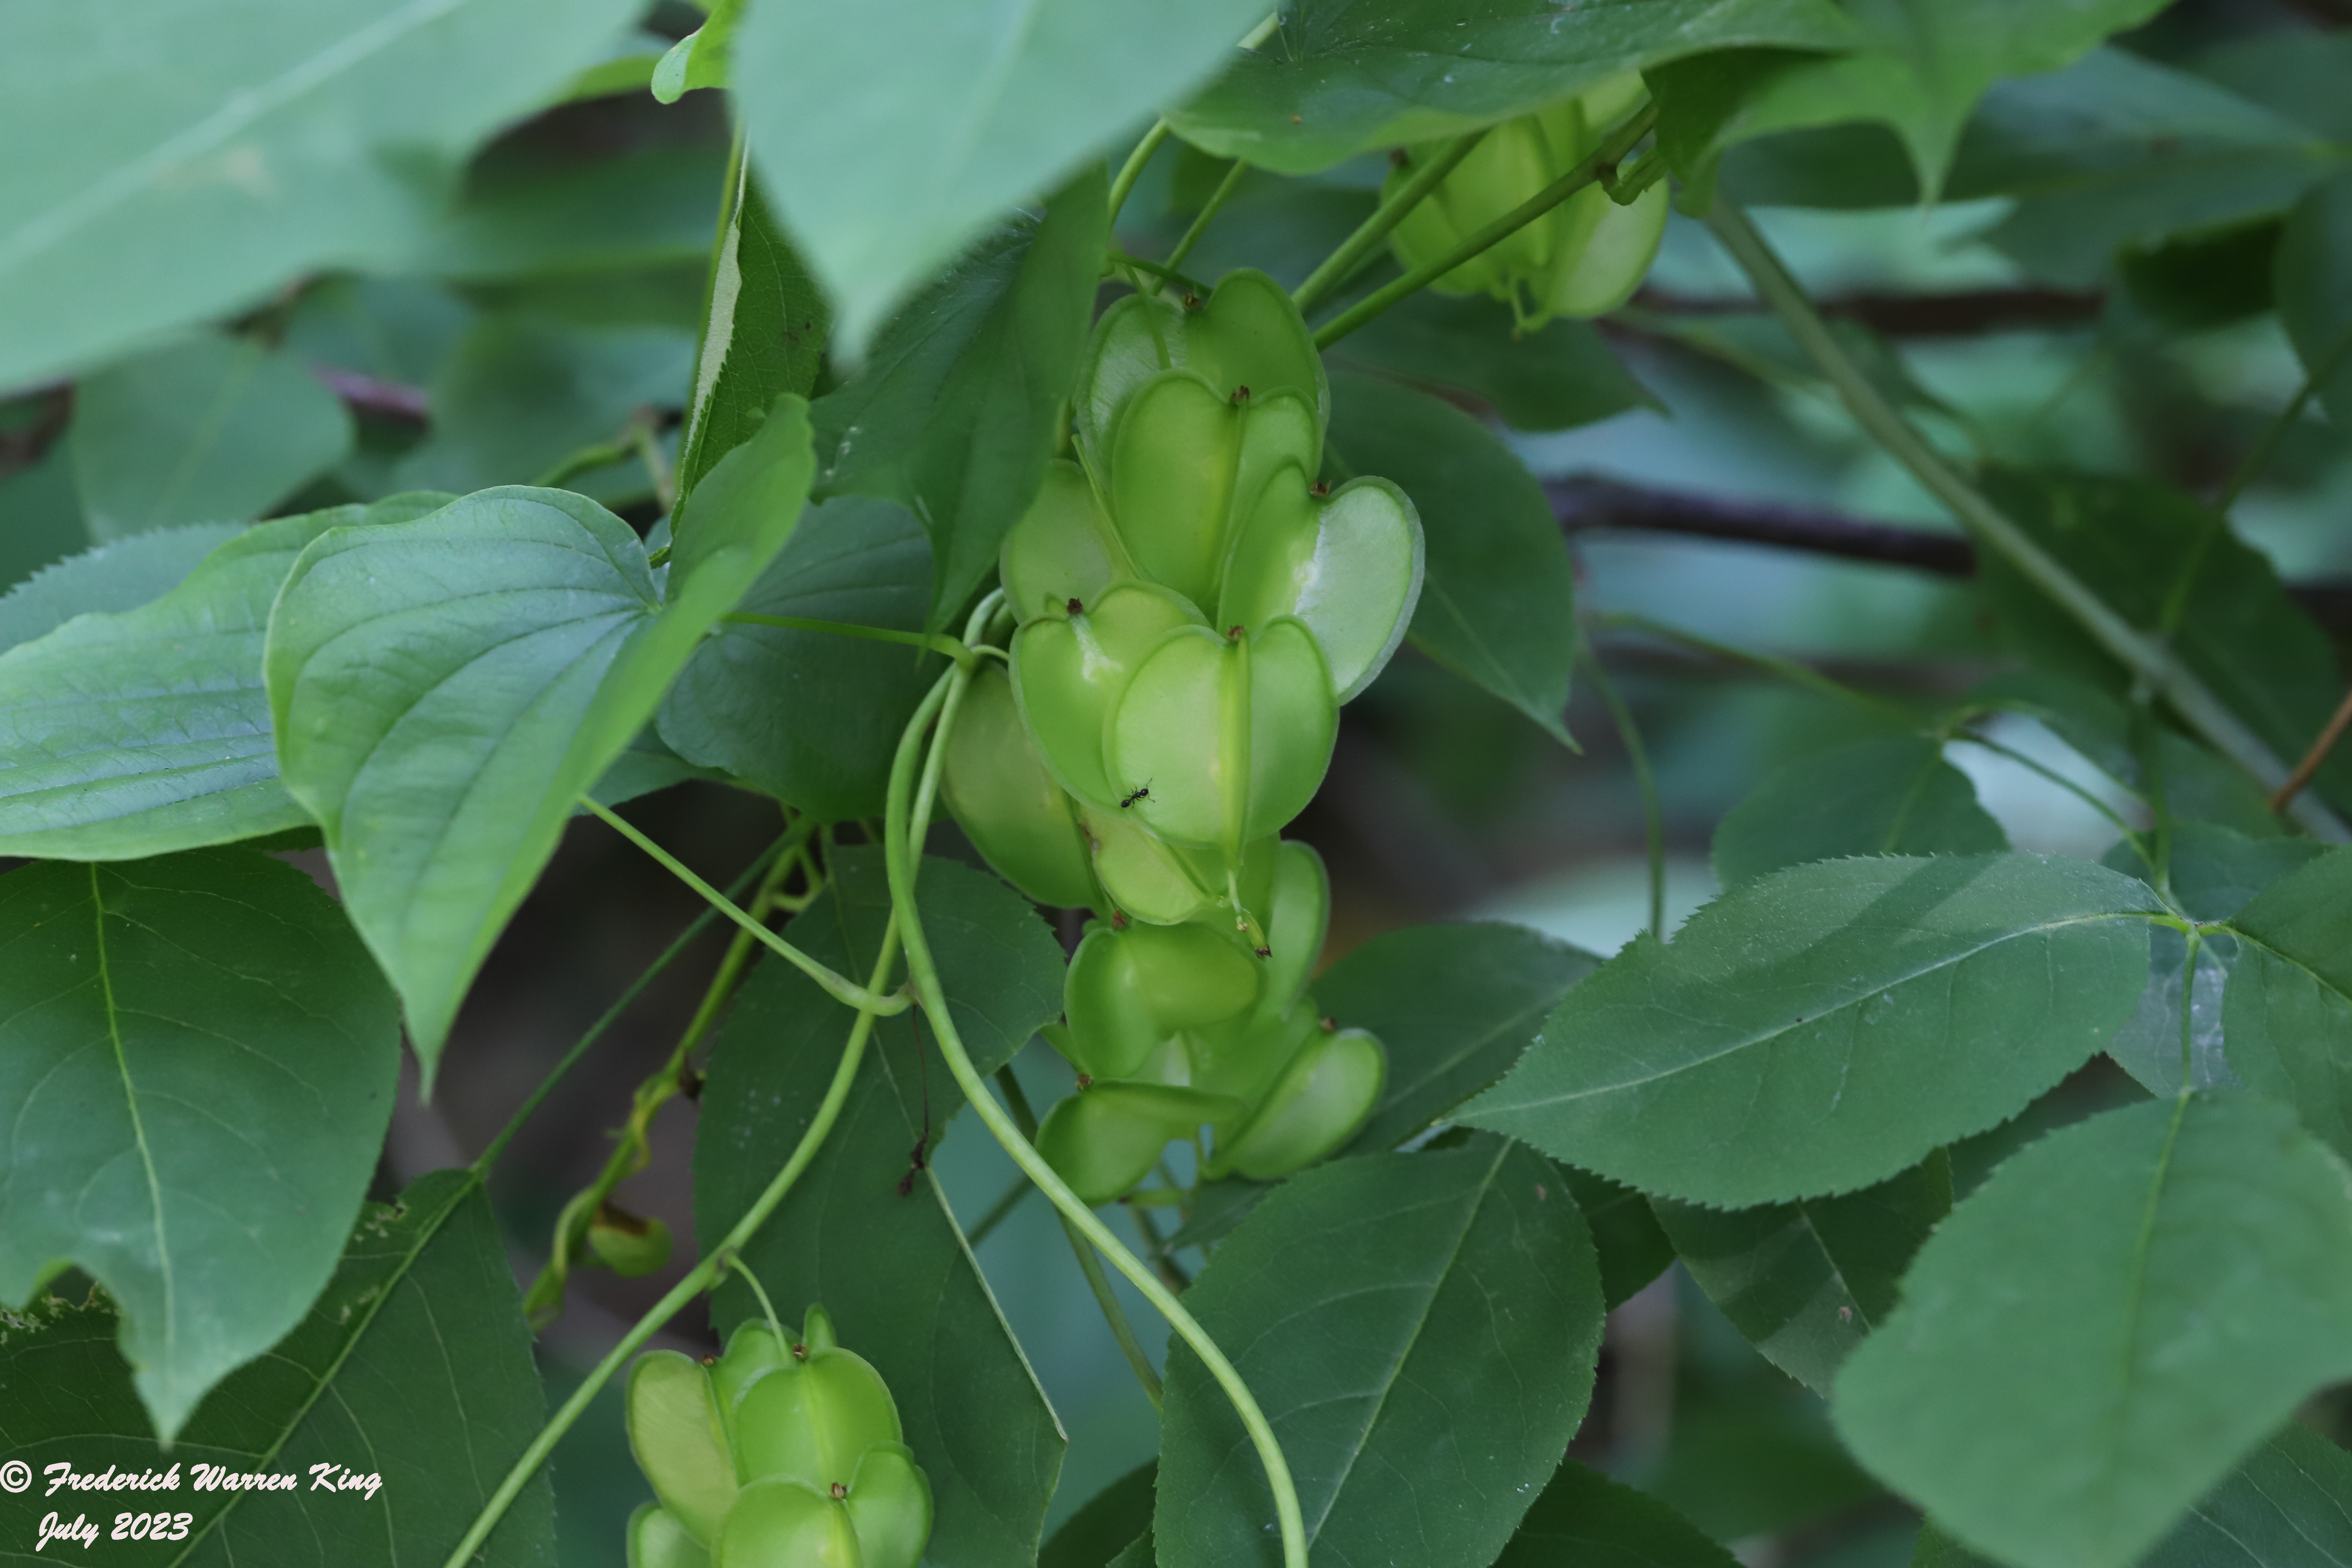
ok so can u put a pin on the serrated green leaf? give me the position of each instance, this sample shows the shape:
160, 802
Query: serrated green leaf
1420, 1331
196, 1068
1560, 375
1585, 1518
2287, 1011
2148, 1046
893, 1270
2159, 1286
1892, 796
813, 718
1344, 77
211, 430
2218, 871
2315, 291
444, 690
1806, 1282
956, 410
1454, 1004
902, 131
106, 579
1498, 600
195, 159
1822, 1028
413, 1367
1632, 1246
763, 336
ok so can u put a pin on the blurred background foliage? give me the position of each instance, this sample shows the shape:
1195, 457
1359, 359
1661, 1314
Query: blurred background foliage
2106, 285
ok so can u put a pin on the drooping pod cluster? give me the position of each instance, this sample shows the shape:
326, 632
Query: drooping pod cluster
777, 1452
1193, 603
1583, 257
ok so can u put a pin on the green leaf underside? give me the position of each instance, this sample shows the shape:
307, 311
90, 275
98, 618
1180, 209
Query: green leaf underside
2160, 1286
1453, 1004
898, 132
1420, 1331
444, 690
1496, 602
1586, 1519
413, 1366
814, 717
1892, 796
765, 337
2286, 1011
1345, 77
246, 142
956, 410
196, 1068
1823, 1027
893, 1271
1806, 1281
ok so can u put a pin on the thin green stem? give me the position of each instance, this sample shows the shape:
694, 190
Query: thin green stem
935, 643
1341, 264
2276, 433
1132, 170
1787, 670
1620, 142
2146, 657
1155, 1249
1626, 189
2131, 834
838, 986
704, 1274
1165, 273
622, 1003
743, 1270
898, 857
2188, 1009
1654, 823
657, 468
998, 1210
1200, 225
1017, 1103
588, 459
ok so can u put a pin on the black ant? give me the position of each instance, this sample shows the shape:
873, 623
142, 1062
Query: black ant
1138, 794
1241, 396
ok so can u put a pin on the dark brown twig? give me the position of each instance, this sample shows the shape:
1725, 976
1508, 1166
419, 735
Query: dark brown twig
2332, 732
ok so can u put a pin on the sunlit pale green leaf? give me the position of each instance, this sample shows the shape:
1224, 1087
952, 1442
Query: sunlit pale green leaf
413, 1369
896, 131
444, 690
1421, 1332
212, 429
194, 158
1895, 795
1498, 600
196, 1064
956, 410
867, 1233
1344, 77
1822, 1028
2158, 1287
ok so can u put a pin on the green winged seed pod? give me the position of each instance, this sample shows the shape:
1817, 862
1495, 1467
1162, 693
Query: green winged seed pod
676, 1434
1230, 735
1243, 1056
1000, 792
788, 1524
1246, 333
1297, 918
1188, 462
1584, 256
890, 1502
1324, 1094
1152, 881
811, 1419
1127, 992
1105, 1139
1069, 669
1348, 564
657, 1540
1064, 547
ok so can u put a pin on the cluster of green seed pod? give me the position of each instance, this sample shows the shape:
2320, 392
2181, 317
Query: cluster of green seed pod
1193, 604
1585, 256
776, 1453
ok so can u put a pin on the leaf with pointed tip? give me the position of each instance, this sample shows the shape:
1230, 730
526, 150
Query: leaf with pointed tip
1892, 796
1585, 1518
413, 1366
196, 1068
2286, 1012
866, 1232
444, 690
1820, 1029
2160, 1286
1806, 1281
1105, 1524
1421, 1332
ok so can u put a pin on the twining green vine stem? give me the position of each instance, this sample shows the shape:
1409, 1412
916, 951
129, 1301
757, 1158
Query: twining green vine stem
1654, 820
2146, 657
1620, 142
898, 853
1132, 170
935, 643
1017, 1102
1341, 264
1121, 259
1207, 215
705, 1273
840, 987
